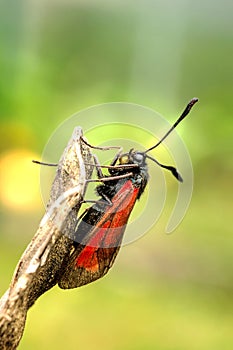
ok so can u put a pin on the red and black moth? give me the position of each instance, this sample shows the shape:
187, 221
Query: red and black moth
100, 231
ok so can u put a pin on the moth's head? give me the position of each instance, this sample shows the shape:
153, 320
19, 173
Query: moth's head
133, 157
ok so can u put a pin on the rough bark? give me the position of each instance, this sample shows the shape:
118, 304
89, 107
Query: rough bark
40, 266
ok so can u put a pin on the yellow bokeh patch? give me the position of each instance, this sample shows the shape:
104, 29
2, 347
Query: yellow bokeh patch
19, 180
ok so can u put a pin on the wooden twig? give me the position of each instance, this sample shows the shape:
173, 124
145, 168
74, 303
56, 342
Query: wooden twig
40, 266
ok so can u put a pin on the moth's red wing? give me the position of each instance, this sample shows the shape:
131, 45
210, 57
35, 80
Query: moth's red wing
102, 242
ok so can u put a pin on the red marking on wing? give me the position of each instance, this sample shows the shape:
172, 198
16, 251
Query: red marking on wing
109, 231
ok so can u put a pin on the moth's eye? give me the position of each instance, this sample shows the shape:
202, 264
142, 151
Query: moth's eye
139, 158
124, 159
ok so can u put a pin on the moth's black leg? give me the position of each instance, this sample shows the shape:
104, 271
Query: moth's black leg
100, 174
115, 159
106, 198
81, 216
43, 163
106, 148
111, 178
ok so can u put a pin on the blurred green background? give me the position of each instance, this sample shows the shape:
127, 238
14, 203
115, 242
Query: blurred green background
164, 292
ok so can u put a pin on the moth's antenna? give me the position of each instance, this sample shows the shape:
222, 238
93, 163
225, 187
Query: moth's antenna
183, 115
172, 169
